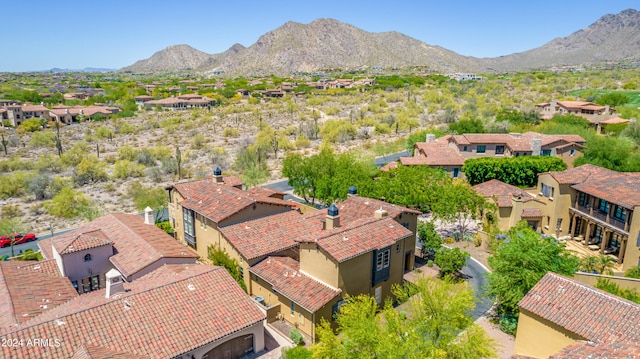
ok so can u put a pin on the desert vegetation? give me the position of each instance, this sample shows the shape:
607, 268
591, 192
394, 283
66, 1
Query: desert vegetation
67, 174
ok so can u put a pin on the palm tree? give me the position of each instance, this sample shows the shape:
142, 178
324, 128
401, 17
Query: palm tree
605, 264
589, 263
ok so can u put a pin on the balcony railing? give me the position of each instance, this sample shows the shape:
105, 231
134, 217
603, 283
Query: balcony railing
601, 217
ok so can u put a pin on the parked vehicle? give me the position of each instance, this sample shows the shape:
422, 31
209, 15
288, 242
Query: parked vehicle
17, 238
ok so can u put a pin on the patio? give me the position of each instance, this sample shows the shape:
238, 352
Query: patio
581, 251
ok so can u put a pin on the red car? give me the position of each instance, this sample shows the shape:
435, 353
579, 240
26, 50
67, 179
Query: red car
18, 238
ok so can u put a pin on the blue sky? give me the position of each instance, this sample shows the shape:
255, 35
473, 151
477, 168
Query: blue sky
116, 33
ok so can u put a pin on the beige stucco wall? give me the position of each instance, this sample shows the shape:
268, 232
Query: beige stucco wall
539, 338
632, 252
314, 262
591, 279
563, 198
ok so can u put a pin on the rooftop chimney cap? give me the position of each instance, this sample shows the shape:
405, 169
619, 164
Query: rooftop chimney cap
333, 210
217, 171
352, 190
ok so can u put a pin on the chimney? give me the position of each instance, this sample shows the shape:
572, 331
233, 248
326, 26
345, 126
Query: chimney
353, 191
536, 147
430, 138
380, 213
217, 175
114, 283
148, 216
333, 218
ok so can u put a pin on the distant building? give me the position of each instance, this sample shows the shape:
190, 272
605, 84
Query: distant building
594, 113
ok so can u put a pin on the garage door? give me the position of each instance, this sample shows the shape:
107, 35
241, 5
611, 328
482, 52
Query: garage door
232, 349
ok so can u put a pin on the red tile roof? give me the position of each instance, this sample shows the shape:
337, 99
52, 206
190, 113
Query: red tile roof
622, 188
437, 154
614, 120
87, 240
218, 201
365, 235
502, 191
266, 235
618, 350
283, 273
137, 244
531, 213
30, 288
389, 166
516, 142
96, 352
159, 322
592, 314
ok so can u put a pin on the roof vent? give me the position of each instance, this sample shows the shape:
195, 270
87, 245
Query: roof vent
333, 218
352, 191
148, 216
191, 287
217, 175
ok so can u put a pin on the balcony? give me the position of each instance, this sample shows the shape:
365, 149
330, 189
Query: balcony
601, 218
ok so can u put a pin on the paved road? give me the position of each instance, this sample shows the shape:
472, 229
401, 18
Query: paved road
19, 248
476, 275
383, 160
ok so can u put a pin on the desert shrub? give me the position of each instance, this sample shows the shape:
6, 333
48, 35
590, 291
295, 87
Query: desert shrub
13, 185
127, 153
10, 211
104, 132
338, 131
231, 132
68, 203
145, 157
296, 336
41, 187
125, 169
297, 352
43, 139
508, 324
90, 170
30, 125
75, 155
198, 141
165, 226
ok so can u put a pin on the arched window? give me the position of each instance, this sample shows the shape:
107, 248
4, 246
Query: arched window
87, 257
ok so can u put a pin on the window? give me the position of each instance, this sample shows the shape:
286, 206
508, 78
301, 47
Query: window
548, 220
582, 198
481, 149
335, 309
87, 257
553, 191
545, 153
572, 152
559, 223
464, 148
189, 229
397, 247
620, 213
293, 308
546, 190
603, 206
455, 173
499, 150
383, 260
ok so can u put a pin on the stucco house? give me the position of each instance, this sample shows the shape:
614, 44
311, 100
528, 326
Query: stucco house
563, 318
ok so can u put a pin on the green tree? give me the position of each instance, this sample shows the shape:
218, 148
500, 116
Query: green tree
450, 260
429, 238
467, 126
439, 326
148, 196
517, 171
632, 131
613, 288
611, 153
218, 257
68, 203
521, 261
612, 99
30, 125
457, 202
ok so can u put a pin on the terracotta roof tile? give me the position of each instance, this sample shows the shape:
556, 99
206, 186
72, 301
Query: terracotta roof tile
87, 240
614, 120
593, 314
600, 182
502, 191
161, 322
266, 235
29, 288
516, 142
217, 201
283, 273
618, 350
88, 351
531, 213
137, 245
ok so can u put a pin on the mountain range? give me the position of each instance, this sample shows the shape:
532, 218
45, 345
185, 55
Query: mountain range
329, 43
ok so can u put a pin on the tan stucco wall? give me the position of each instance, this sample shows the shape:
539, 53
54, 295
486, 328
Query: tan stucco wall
632, 252
539, 338
591, 279
563, 198
314, 262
